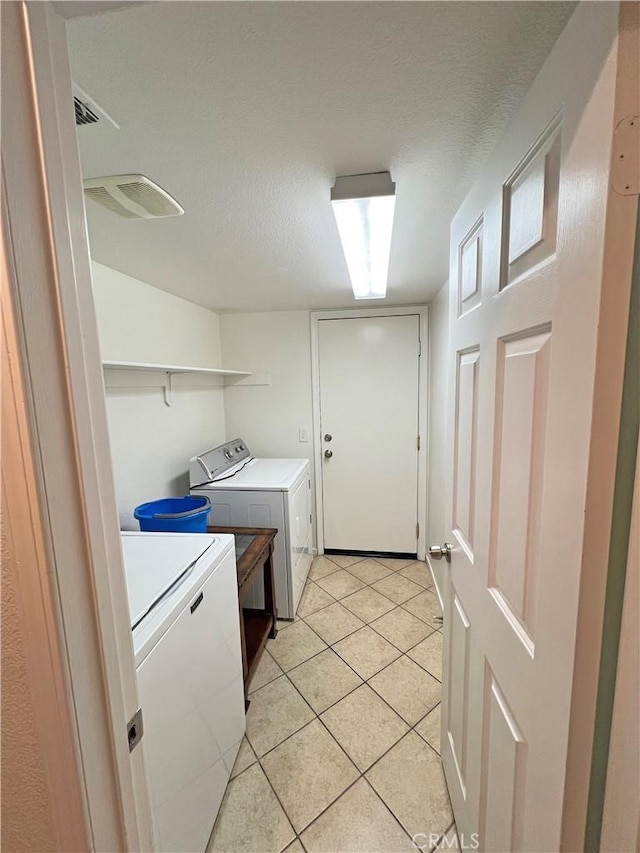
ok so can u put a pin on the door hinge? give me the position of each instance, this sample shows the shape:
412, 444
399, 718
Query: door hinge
417, 530
419, 348
310, 519
135, 730
625, 166
418, 442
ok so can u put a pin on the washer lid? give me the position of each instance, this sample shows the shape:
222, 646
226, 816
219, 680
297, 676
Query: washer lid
153, 561
262, 475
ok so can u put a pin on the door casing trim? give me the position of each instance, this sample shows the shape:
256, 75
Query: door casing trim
57, 353
422, 312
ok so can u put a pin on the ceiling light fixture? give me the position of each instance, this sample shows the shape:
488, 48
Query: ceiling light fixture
363, 206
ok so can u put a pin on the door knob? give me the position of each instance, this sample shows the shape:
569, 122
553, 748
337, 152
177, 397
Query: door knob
328, 454
440, 551
328, 436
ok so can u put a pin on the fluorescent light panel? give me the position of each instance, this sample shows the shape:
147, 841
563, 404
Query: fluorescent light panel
364, 206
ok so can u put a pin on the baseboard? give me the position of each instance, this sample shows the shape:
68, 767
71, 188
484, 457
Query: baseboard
393, 555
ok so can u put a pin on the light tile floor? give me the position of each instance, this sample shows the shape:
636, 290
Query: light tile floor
342, 752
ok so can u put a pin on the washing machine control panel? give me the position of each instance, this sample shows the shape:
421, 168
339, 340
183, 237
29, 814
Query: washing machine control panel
213, 463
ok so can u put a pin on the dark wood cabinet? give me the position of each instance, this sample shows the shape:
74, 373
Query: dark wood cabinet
254, 555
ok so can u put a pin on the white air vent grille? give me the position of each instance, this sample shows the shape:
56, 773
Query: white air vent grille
132, 196
103, 197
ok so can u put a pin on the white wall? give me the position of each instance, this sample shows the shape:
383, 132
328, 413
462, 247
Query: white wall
269, 417
150, 442
138, 322
438, 413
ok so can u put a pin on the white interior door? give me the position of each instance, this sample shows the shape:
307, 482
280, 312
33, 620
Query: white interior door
368, 369
526, 271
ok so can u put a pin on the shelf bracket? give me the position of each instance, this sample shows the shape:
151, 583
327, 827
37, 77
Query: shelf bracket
168, 388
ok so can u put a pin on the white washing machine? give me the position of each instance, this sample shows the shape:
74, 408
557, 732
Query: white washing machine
183, 603
249, 492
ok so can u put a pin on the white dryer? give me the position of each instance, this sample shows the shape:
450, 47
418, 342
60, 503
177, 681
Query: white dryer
183, 603
249, 492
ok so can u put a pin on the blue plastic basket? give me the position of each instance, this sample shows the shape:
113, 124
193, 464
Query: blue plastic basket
174, 515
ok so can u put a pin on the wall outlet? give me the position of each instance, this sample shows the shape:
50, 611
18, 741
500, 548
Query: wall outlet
303, 436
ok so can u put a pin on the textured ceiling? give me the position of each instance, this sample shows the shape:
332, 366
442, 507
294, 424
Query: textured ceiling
246, 112
78, 8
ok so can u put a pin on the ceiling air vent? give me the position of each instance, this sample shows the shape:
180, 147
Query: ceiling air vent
132, 196
84, 113
87, 110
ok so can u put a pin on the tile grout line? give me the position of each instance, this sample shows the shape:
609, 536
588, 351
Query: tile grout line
370, 625
357, 687
333, 802
411, 648
391, 572
365, 625
362, 777
264, 771
388, 704
365, 681
388, 808
284, 811
317, 716
348, 757
370, 586
361, 774
442, 837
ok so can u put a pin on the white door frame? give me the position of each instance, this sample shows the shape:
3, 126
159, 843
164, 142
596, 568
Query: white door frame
423, 389
620, 819
50, 291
